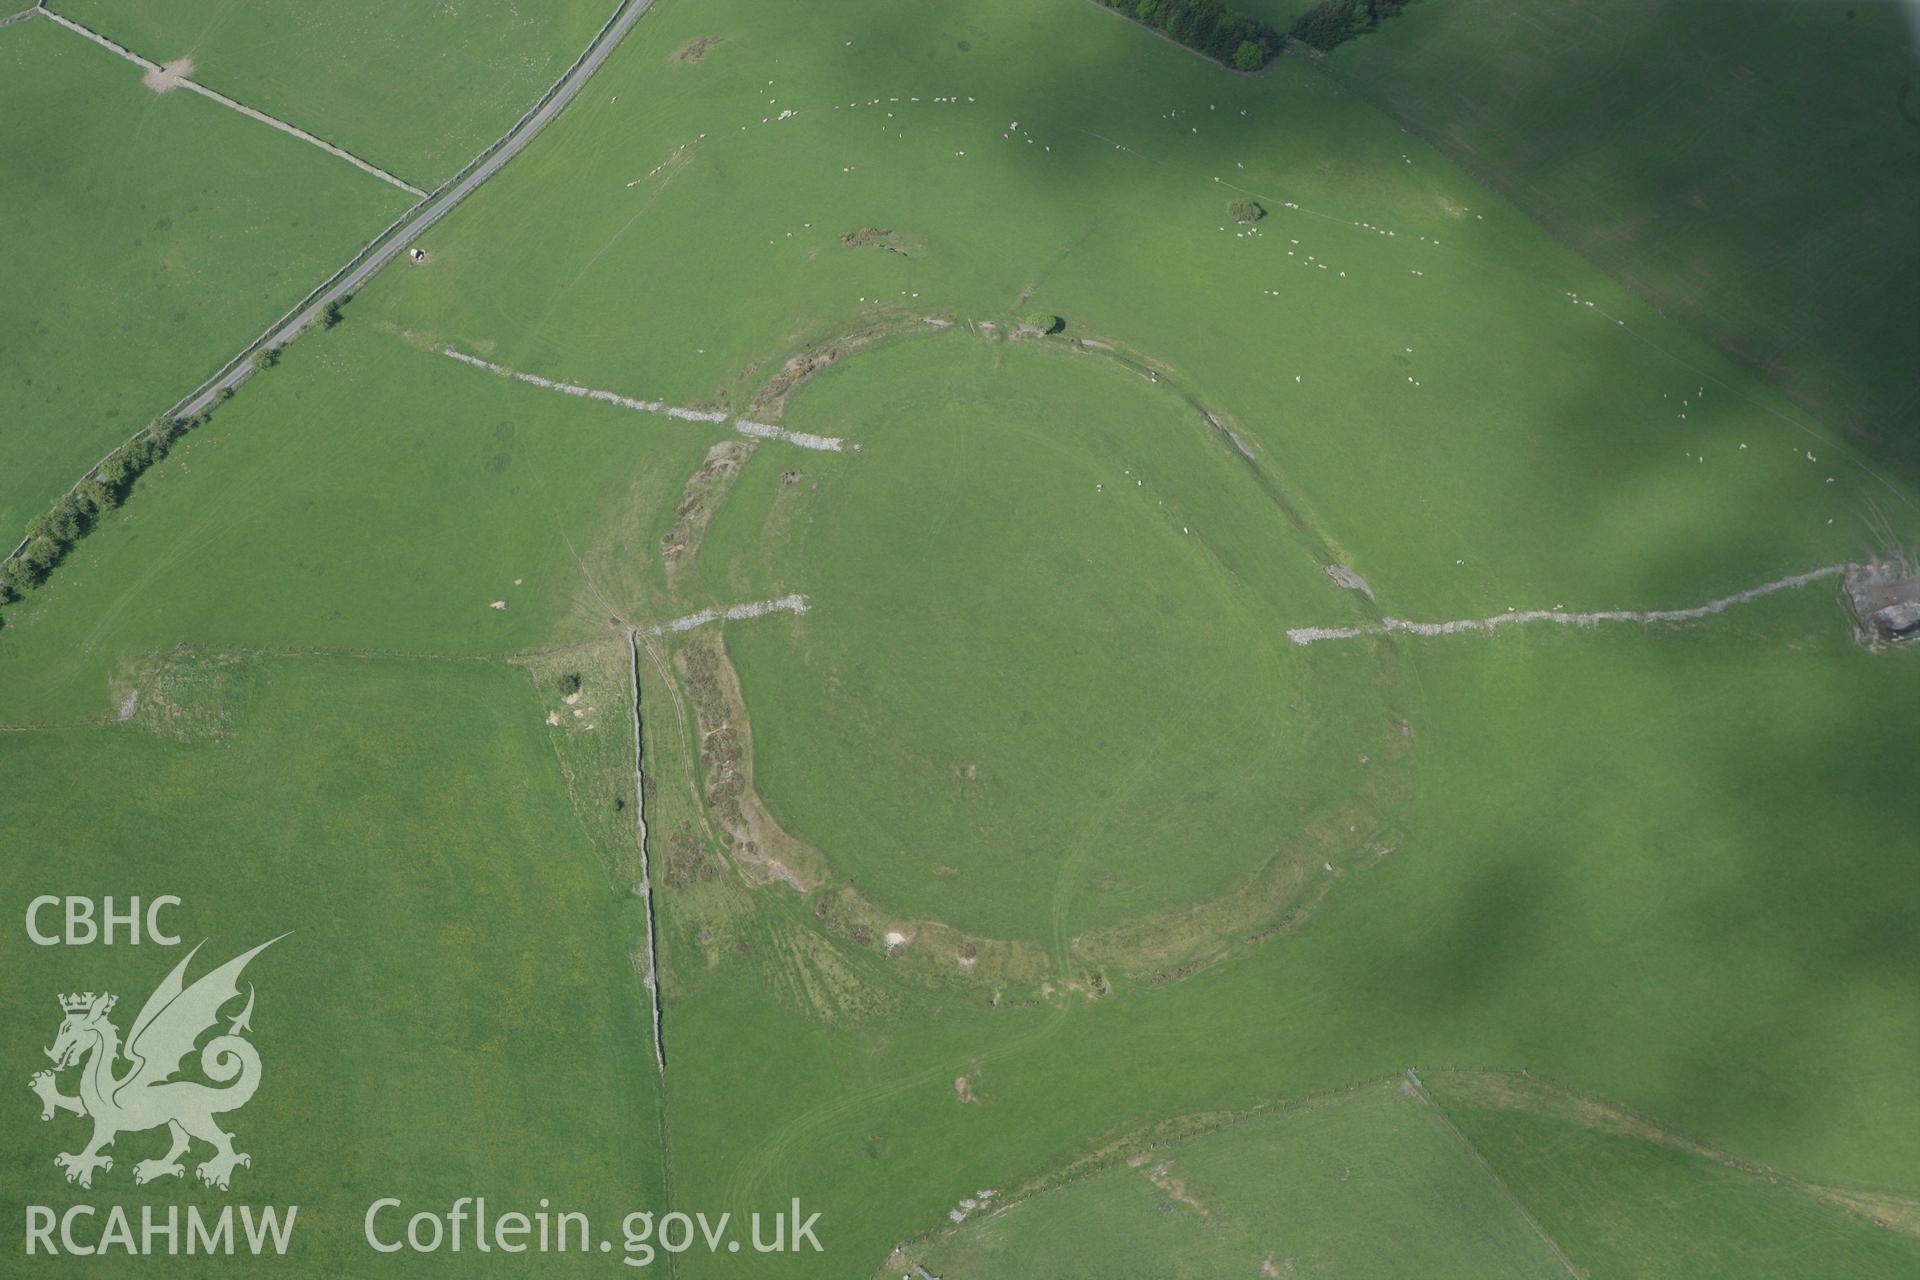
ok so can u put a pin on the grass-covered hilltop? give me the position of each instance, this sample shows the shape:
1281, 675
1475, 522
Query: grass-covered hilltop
1102, 639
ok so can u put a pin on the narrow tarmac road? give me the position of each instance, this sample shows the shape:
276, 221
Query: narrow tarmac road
429, 211
406, 229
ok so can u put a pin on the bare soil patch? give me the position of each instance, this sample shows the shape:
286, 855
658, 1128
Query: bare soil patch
1349, 579
933, 953
709, 484
168, 76
884, 238
1175, 1189
694, 50
761, 848
771, 400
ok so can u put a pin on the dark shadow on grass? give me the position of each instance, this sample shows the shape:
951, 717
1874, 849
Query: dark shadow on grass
1751, 169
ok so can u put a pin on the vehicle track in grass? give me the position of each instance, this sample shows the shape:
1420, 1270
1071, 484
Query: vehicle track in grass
751, 1175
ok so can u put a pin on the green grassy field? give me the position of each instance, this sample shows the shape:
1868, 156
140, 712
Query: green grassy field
1153, 866
1564, 903
150, 236
1370, 1183
1626, 1202
366, 494
454, 1008
416, 89
1749, 169
1006, 723
1378, 1182
1470, 437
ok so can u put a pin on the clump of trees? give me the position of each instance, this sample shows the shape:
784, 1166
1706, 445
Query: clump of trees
1228, 36
51, 536
1334, 22
1045, 322
1241, 209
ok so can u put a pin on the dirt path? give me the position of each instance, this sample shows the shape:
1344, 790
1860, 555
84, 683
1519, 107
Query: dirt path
161, 79
759, 430
1310, 635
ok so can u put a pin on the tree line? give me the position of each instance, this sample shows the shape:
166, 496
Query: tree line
49, 537
1334, 22
1228, 37
1245, 43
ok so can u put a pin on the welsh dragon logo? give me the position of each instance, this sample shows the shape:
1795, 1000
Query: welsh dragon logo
145, 1095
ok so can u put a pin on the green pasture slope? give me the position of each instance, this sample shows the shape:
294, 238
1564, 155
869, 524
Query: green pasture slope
1558, 448
149, 237
1752, 169
1369, 1183
417, 89
364, 494
453, 1008
1376, 1183
1567, 902
1050, 646
1472, 437
1628, 1203
1666, 866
